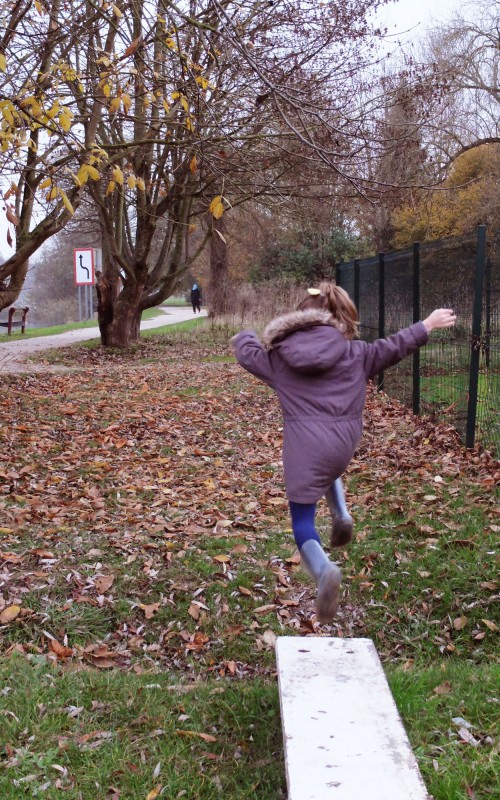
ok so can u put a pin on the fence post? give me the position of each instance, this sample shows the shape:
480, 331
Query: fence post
356, 283
470, 432
337, 273
416, 317
487, 310
381, 309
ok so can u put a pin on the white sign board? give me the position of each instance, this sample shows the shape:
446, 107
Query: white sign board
84, 266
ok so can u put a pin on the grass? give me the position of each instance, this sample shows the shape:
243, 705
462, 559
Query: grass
451, 715
161, 468
84, 733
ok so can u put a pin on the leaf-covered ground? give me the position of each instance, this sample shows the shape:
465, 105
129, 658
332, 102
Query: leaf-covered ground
144, 526
145, 522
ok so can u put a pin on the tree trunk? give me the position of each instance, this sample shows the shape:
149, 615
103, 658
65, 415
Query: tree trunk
119, 317
219, 282
105, 311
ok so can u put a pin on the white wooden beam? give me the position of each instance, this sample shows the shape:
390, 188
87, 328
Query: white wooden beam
343, 736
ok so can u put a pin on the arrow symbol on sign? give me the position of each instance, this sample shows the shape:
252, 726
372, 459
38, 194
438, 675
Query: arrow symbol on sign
83, 267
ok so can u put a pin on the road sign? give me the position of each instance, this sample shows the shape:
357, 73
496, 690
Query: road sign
84, 266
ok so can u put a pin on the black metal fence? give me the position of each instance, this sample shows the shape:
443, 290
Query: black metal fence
457, 375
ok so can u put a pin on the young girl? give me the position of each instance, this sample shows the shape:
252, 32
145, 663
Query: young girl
319, 369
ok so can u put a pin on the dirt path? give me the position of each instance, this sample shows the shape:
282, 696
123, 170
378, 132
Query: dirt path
13, 354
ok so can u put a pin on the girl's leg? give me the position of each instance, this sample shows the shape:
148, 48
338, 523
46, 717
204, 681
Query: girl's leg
342, 524
314, 559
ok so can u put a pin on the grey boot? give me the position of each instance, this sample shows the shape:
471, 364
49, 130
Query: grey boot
327, 576
342, 524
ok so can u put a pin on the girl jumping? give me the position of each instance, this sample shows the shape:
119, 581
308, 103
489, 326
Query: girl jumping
319, 369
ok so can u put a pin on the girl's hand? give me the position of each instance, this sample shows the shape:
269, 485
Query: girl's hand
440, 318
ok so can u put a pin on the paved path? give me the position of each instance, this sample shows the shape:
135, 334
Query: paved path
12, 354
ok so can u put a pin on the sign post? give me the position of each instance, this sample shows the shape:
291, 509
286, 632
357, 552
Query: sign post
84, 271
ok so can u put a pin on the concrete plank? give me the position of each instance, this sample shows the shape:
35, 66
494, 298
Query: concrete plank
343, 736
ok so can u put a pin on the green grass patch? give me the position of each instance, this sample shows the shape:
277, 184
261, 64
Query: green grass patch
84, 733
451, 714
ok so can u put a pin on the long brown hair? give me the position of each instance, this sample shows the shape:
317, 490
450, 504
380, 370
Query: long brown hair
336, 301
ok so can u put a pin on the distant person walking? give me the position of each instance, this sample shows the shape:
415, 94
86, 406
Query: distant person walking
313, 360
196, 298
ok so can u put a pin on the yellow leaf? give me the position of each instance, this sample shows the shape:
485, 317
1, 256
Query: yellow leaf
110, 188
9, 614
82, 175
93, 173
115, 104
45, 183
39, 7
218, 211
170, 43
141, 185
215, 202
118, 176
222, 559
131, 182
66, 202
491, 625
126, 101
52, 194
65, 120
166, 106
6, 530
106, 90
54, 110
193, 164
117, 12
3, 63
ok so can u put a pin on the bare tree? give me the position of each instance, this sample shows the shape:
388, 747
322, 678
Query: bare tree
465, 56
161, 113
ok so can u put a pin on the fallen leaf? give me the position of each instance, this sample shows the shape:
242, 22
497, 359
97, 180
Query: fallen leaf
443, 688
149, 610
9, 614
460, 622
269, 637
60, 650
154, 792
103, 583
265, 609
207, 737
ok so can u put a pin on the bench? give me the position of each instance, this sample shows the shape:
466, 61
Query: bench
15, 323
342, 733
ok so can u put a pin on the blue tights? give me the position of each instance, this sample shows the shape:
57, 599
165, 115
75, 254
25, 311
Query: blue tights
303, 522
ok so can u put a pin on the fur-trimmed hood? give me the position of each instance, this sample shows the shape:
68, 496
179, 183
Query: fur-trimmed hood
282, 326
308, 341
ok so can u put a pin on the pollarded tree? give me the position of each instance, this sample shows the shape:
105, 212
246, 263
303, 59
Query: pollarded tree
161, 112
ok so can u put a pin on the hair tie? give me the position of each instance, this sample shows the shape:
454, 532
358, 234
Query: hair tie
313, 292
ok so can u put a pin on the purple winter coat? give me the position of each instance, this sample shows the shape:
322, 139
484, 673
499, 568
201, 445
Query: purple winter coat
320, 378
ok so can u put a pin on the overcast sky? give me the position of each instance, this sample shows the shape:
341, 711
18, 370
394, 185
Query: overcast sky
418, 15
414, 16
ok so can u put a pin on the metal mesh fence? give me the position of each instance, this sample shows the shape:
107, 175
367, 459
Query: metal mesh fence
393, 290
